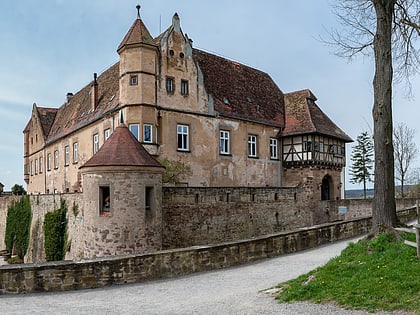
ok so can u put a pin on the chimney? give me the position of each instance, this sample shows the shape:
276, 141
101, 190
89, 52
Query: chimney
69, 96
94, 92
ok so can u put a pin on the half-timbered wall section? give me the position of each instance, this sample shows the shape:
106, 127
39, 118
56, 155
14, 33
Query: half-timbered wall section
313, 149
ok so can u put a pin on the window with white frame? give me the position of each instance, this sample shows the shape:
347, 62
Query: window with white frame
95, 143
147, 133
182, 138
66, 155
36, 166
56, 159
273, 149
41, 164
224, 142
32, 168
107, 134
49, 161
75, 152
134, 128
252, 146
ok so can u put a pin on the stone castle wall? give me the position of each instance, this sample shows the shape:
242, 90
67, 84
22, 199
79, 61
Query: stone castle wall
192, 216
198, 216
105, 271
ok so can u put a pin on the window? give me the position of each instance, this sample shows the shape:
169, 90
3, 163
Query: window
133, 80
32, 168
182, 137
56, 159
49, 161
273, 149
184, 87
107, 134
75, 152
134, 128
104, 201
307, 146
252, 146
224, 142
66, 155
148, 198
147, 133
41, 165
95, 143
36, 166
170, 85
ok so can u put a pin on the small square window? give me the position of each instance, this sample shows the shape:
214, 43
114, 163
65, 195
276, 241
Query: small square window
133, 80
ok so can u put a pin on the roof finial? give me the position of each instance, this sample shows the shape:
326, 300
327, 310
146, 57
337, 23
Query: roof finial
138, 11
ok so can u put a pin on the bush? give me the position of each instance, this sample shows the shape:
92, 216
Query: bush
55, 233
18, 225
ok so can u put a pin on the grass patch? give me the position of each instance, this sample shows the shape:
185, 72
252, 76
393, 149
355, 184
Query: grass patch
379, 274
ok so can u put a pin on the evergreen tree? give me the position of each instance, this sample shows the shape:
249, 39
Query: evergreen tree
362, 158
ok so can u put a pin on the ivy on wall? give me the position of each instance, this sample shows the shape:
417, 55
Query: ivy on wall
18, 225
55, 233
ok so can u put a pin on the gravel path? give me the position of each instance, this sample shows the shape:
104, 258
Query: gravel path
235, 290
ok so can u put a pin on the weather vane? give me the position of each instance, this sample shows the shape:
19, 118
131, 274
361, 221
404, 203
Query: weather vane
138, 11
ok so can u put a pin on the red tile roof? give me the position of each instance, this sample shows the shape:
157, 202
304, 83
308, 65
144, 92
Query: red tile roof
137, 34
122, 149
303, 116
240, 91
78, 112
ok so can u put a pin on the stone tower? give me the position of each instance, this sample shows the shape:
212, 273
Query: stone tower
122, 195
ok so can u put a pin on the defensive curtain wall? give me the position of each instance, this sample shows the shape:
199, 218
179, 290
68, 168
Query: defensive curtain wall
197, 216
99, 272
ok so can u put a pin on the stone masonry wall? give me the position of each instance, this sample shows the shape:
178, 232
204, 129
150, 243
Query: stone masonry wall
69, 275
198, 216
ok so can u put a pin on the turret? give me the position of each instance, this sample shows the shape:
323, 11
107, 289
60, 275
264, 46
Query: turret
138, 62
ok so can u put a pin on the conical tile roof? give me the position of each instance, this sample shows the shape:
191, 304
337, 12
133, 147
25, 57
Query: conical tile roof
122, 149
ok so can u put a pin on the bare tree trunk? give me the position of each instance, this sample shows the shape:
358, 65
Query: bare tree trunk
383, 207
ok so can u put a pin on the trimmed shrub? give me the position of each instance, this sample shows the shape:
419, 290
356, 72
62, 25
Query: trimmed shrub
55, 233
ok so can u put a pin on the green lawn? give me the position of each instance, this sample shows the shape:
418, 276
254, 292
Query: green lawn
380, 274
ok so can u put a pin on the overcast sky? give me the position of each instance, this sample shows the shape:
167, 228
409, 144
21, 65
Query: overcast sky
52, 47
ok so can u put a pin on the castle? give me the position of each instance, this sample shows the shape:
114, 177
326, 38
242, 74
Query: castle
165, 99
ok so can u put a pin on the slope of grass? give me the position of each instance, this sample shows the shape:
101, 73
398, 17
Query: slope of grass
379, 274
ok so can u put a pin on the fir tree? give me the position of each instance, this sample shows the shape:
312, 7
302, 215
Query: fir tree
362, 158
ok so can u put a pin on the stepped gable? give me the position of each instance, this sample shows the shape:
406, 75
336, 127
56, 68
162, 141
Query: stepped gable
77, 112
122, 149
303, 116
240, 91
